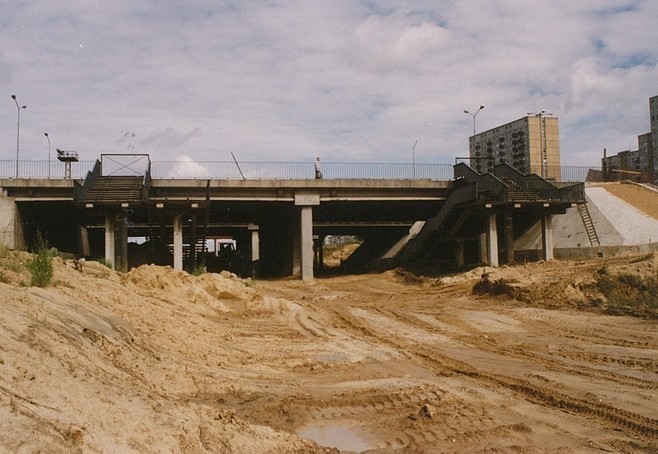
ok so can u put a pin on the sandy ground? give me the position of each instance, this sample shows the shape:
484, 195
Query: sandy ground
156, 360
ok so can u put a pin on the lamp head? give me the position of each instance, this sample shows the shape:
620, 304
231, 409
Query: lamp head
481, 107
13, 97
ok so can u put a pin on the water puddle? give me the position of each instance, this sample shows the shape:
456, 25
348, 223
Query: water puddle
330, 357
335, 436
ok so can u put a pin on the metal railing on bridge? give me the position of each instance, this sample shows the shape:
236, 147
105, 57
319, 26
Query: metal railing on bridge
264, 170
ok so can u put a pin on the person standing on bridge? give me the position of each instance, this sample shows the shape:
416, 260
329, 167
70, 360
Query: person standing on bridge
318, 173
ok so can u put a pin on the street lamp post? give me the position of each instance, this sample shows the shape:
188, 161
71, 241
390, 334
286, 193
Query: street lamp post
18, 129
474, 115
48, 137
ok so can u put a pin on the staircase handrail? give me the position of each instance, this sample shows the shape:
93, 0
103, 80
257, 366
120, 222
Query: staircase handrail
146, 183
80, 191
460, 195
463, 171
489, 187
492, 188
573, 192
547, 190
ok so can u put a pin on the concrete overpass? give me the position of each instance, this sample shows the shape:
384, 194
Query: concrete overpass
277, 223
274, 221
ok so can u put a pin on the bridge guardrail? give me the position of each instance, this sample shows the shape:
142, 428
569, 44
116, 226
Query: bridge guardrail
265, 170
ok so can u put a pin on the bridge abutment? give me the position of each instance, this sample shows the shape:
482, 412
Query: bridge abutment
10, 223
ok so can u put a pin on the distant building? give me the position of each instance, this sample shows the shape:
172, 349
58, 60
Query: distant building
641, 164
653, 115
530, 144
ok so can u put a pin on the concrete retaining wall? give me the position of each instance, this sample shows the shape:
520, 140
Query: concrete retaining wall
582, 253
8, 222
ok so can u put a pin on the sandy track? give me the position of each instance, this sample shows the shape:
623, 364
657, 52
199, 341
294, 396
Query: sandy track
497, 374
157, 360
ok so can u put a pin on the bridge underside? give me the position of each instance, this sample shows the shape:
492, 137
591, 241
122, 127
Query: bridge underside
267, 233
275, 227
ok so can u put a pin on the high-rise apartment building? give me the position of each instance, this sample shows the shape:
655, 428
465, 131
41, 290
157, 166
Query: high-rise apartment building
530, 144
653, 115
640, 164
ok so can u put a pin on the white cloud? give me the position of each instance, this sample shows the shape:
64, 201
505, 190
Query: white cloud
285, 81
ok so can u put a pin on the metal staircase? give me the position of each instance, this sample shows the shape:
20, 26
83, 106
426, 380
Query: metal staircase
589, 225
99, 189
116, 189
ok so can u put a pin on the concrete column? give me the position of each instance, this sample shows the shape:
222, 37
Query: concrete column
320, 247
306, 242
459, 254
304, 239
484, 254
109, 240
178, 242
509, 238
255, 242
121, 239
193, 241
547, 236
492, 241
83, 241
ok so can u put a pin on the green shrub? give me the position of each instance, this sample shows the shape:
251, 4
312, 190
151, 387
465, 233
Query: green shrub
41, 265
629, 293
105, 262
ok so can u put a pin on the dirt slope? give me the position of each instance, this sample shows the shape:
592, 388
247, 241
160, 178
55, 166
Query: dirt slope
640, 197
159, 361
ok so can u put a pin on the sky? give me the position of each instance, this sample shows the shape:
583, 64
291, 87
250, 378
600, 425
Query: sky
347, 80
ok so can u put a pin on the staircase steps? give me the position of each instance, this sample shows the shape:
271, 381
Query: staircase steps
116, 189
517, 193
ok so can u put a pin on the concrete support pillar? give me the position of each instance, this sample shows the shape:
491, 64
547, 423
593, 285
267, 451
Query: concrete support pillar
509, 238
109, 240
492, 241
306, 242
319, 252
255, 242
194, 260
121, 240
83, 241
303, 243
484, 254
459, 254
178, 242
547, 236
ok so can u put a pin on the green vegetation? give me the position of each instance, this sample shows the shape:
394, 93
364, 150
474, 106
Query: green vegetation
105, 262
628, 293
198, 270
41, 265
